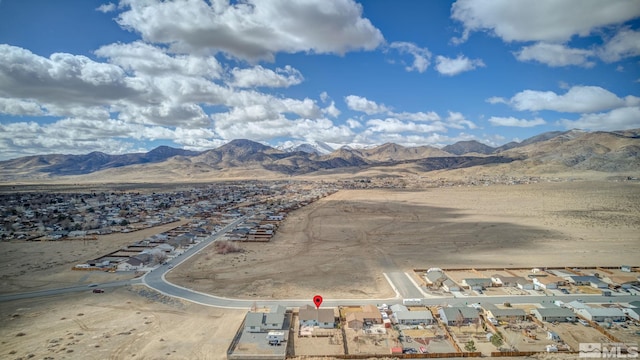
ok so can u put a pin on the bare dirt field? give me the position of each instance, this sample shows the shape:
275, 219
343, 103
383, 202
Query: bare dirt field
340, 245
574, 333
36, 265
131, 323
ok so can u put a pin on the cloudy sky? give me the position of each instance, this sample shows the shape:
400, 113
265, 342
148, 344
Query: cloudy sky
126, 76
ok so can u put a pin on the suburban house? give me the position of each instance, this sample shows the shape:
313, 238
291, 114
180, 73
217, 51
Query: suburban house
510, 281
368, 316
554, 314
261, 322
435, 278
548, 282
453, 315
524, 284
311, 316
492, 311
582, 280
477, 283
576, 305
449, 285
602, 314
633, 313
132, 264
402, 315
598, 284
625, 281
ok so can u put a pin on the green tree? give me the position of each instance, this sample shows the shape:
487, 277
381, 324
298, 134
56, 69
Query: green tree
470, 346
496, 340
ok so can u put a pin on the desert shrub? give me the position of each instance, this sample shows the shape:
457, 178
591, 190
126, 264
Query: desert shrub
226, 247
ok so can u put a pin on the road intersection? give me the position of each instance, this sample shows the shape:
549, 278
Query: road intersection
403, 285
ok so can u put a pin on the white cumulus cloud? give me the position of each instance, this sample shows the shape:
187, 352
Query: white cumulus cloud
542, 20
105, 8
616, 119
20, 107
258, 76
143, 58
511, 121
458, 121
626, 43
362, 104
555, 55
450, 67
252, 30
392, 125
421, 56
331, 110
578, 99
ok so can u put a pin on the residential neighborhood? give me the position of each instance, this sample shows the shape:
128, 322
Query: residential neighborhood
206, 209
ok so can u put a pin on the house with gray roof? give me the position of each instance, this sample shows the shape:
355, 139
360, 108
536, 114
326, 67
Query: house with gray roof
261, 322
450, 285
603, 314
402, 315
506, 314
451, 315
435, 277
633, 313
554, 314
477, 283
311, 316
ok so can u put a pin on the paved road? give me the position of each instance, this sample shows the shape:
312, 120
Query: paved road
403, 286
400, 281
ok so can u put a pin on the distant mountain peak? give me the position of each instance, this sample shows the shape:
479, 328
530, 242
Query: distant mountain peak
314, 147
468, 146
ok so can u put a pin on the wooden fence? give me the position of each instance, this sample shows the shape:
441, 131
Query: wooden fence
411, 356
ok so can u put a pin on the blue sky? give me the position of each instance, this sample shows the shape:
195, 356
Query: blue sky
82, 75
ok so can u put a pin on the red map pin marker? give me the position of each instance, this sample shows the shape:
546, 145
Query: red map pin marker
317, 300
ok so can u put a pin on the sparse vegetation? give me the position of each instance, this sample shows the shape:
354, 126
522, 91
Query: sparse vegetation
496, 340
470, 346
226, 247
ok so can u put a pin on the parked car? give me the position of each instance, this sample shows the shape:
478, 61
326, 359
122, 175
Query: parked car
98, 291
409, 351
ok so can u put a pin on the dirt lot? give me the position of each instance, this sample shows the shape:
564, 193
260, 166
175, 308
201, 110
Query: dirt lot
338, 246
322, 342
360, 343
515, 338
574, 333
37, 265
366, 232
132, 323
629, 335
432, 339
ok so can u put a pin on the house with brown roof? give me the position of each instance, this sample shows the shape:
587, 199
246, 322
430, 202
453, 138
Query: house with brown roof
311, 316
368, 316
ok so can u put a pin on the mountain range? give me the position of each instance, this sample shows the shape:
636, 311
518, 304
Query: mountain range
574, 150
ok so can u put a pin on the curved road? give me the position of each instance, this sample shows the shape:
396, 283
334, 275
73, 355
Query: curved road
400, 282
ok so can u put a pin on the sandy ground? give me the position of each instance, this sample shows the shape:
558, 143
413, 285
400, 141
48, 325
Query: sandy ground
126, 323
36, 265
340, 245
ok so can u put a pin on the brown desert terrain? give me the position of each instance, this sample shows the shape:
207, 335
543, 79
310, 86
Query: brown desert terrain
338, 246
341, 245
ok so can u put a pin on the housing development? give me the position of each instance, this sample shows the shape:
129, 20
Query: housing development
473, 311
